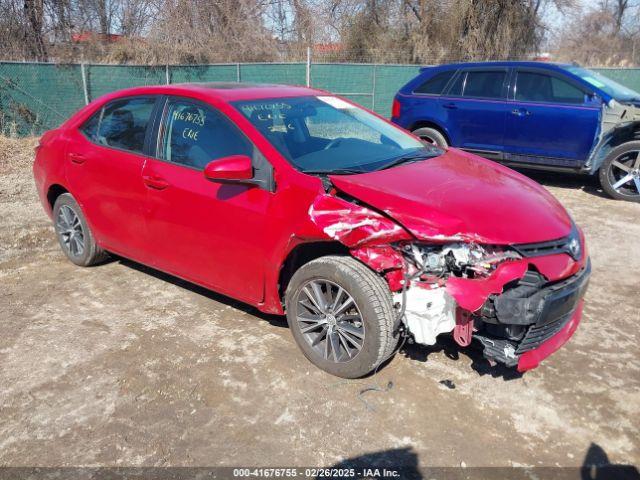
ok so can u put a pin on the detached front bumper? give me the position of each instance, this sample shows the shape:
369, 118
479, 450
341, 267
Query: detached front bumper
525, 324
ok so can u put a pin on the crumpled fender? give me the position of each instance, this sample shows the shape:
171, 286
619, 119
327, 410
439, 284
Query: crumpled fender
470, 294
354, 225
366, 232
379, 257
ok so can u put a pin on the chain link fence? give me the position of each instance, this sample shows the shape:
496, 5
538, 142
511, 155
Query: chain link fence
35, 97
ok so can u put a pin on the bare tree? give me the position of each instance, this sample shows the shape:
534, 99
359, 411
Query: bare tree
607, 35
210, 30
402, 31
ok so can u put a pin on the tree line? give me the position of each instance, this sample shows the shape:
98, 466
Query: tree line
604, 32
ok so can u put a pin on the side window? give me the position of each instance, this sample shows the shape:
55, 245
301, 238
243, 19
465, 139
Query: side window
564, 92
90, 127
435, 84
194, 135
486, 84
456, 88
538, 87
121, 124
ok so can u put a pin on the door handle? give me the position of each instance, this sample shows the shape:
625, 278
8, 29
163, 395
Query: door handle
450, 106
520, 112
77, 157
155, 182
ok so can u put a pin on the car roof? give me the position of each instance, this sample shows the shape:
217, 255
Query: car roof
504, 63
225, 91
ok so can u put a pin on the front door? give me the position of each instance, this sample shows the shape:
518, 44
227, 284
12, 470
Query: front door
105, 158
206, 232
551, 120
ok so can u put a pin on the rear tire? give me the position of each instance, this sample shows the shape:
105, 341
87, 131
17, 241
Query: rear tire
371, 314
620, 172
75, 237
431, 136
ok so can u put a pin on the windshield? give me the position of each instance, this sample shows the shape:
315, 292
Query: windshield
617, 91
326, 134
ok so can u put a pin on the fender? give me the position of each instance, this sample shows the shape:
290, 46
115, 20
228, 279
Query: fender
618, 123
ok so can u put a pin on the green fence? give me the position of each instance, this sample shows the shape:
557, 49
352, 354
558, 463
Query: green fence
36, 96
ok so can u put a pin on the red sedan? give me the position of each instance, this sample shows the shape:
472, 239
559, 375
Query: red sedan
300, 202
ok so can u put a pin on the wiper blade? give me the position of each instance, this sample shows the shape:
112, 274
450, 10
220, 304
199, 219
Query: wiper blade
337, 171
409, 158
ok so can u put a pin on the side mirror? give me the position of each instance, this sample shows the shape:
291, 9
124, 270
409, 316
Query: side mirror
591, 97
232, 169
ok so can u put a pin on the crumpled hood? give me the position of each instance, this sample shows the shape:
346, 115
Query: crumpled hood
460, 196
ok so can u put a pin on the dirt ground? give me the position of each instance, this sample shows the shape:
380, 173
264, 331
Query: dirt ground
120, 365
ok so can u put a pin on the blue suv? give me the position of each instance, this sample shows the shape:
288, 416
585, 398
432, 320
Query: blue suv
530, 115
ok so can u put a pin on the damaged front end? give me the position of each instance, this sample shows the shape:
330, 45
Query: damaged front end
508, 298
495, 295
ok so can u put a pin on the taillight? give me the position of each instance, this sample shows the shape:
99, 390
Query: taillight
395, 108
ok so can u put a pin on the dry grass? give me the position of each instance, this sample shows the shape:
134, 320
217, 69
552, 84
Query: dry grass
16, 153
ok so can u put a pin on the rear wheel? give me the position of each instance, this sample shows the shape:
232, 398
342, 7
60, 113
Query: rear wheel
341, 316
620, 172
431, 136
74, 235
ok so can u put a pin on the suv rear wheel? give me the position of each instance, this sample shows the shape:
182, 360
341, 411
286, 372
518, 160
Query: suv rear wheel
74, 235
431, 136
341, 316
620, 172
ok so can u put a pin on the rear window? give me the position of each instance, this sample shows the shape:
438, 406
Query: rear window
121, 124
484, 84
456, 88
435, 85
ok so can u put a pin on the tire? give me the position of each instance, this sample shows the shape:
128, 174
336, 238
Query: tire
432, 136
73, 232
371, 303
623, 162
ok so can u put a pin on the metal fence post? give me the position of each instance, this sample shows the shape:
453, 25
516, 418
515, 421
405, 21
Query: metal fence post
85, 88
166, 74
373, 88
308, 67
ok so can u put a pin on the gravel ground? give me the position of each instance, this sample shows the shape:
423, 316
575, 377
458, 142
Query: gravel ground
120, 365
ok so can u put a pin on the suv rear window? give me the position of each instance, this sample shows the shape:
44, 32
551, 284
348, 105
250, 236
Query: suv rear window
486, 84
435, 84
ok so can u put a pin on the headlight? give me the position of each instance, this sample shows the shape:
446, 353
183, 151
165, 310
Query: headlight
460, 259
573, 246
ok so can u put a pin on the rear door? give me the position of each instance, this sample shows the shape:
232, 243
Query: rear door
105, 158
420, 104
476, 108
207, 232
552, 119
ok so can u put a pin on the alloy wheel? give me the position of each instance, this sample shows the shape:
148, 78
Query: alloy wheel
428, 140
70, 230
330, 321
624, 174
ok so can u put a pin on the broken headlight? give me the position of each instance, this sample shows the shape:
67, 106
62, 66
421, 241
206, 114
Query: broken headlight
466, 260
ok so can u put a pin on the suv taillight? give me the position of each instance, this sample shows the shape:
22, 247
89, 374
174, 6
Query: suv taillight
395, 108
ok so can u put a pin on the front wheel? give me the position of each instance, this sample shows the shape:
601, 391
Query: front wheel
620, 172
341, 316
